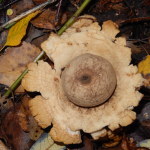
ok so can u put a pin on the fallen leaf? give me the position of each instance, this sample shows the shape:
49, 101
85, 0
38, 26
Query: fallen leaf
144, 66
18, 31
26, 129
47, 20
12, 133
144, 143
45, 142
144, 69
37, 41
27, 121
33, 33
14, 61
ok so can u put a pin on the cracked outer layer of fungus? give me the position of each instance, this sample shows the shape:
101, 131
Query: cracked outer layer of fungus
69, 113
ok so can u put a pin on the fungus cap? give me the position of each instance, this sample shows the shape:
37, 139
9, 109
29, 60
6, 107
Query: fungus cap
88, 80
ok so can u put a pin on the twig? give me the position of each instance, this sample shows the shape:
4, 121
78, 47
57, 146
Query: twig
13, 21
132, 20
58, 11
67, 25
74, 17
7, 4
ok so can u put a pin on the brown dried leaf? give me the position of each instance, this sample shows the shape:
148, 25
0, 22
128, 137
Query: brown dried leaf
27, 122
12, 132
47, 19
14, 61
18, 127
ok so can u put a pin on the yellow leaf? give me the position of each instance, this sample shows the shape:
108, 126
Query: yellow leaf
144, 66
18, 31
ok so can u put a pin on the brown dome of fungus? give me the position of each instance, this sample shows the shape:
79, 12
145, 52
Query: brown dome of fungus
84, 38
88, 80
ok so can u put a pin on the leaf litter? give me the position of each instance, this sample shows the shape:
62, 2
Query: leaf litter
14, 61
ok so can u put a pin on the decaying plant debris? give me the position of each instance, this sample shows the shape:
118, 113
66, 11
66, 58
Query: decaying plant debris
87, 89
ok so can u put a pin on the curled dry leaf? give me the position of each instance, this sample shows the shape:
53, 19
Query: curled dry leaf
84, 38
47, 20
14, 61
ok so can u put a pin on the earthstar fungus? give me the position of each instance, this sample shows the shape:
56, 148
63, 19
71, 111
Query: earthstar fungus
92, 85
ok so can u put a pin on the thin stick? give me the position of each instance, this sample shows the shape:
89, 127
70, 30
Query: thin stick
67, 24
13, 21
7, 4
58, 11
73, 18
